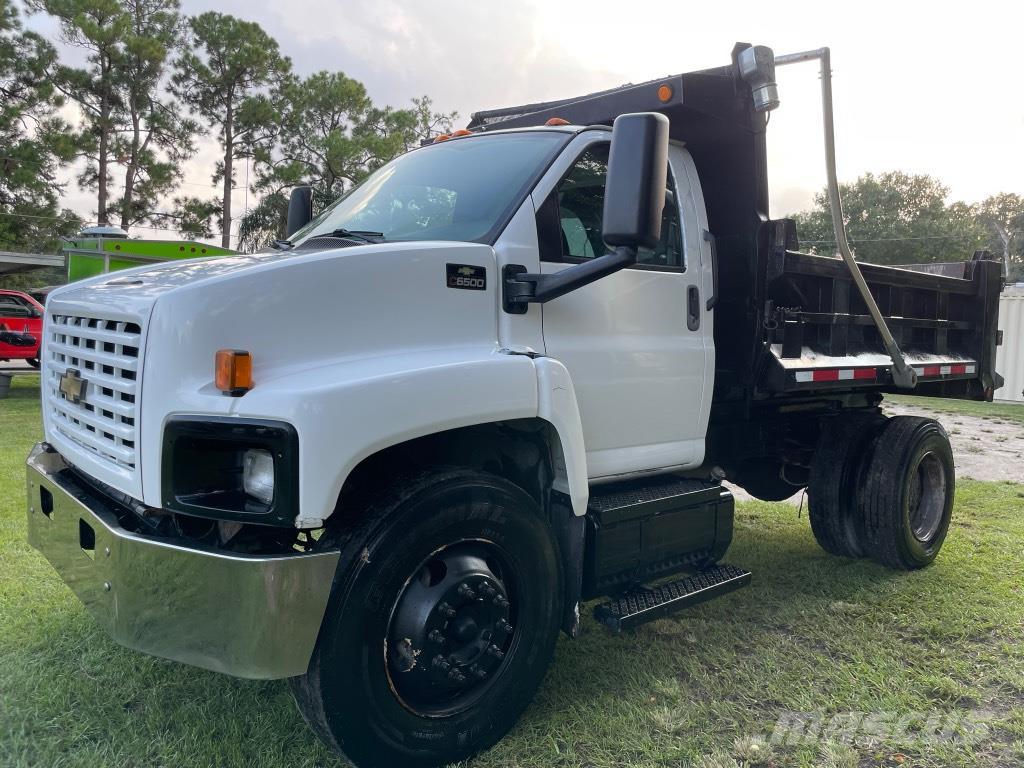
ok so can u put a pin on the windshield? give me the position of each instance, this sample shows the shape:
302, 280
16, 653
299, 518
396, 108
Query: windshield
461, 189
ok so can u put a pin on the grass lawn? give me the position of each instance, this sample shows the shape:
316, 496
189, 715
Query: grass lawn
811, 634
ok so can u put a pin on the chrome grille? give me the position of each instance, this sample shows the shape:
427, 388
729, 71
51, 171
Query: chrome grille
106, 354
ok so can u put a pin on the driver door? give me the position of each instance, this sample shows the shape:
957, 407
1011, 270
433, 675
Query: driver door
634, 342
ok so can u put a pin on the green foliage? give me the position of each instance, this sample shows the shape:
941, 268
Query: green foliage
226, 84
33, 140
331, 137
126, 120
1002, 216
157, 140
895, 218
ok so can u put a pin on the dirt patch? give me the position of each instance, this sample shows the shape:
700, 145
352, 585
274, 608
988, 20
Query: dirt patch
984, 448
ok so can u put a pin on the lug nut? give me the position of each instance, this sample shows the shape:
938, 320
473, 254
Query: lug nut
446, 610
456, 677
441, 663
435, 637
480, 673
501, 601
466, 591
496, 652
504, 626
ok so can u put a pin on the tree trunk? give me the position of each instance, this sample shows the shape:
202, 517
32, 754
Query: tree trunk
229, 156
104, 125
130, 172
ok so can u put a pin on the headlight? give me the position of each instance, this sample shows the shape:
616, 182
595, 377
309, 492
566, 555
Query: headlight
258, 474
245, 470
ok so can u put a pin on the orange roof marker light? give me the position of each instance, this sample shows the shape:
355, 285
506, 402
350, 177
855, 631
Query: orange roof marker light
664, 92
233, 371
442, 137
557, 121
461, 132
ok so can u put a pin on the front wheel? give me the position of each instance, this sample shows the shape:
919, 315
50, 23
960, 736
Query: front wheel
441, 623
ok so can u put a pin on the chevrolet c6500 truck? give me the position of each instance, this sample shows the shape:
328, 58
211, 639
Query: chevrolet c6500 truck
519, 364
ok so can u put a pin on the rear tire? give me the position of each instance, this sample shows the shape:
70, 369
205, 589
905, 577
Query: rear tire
441, 623
837, 472
907, 497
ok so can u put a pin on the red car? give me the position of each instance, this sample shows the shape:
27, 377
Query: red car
21, 327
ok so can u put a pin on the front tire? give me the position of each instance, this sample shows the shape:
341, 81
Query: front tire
907, 498
441, 623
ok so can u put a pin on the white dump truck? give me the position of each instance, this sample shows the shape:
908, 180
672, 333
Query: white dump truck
393, 456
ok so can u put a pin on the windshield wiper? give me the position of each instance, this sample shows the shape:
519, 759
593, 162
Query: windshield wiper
282, 245
365, 235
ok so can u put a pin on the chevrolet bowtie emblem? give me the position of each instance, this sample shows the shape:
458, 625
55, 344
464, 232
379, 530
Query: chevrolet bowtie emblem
73, 386
467, 271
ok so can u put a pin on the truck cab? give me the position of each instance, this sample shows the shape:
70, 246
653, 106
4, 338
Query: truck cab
523, 359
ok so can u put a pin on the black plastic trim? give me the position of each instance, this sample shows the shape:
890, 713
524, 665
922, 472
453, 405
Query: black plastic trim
191, 486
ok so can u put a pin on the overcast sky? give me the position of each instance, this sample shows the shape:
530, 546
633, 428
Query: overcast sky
920, 87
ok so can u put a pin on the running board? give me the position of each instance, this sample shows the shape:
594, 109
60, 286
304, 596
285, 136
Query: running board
644, 604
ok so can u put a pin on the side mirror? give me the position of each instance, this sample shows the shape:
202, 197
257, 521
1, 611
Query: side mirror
634, 196
634, 199
300, 209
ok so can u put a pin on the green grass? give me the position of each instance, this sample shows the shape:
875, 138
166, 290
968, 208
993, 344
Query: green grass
1004, 411
811, 633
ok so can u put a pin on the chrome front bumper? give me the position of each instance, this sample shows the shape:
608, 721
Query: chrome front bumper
245, 615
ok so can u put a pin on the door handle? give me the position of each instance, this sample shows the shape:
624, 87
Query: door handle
693, 308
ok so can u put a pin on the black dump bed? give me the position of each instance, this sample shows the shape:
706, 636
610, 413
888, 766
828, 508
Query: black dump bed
790, 324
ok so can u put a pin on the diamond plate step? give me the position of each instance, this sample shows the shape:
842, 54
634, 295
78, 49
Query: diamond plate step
645, 604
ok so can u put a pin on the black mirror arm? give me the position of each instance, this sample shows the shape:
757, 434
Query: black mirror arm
522, 288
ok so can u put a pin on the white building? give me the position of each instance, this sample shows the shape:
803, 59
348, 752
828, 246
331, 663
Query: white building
1010, 356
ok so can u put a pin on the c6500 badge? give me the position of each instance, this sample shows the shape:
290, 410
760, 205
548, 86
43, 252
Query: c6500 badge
467, 277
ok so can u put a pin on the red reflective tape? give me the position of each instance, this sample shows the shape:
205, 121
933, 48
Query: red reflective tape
959, 368
827, 375
864, 373
933, 370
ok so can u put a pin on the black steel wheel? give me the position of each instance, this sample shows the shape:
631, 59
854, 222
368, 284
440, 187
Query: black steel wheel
441, 622
837, 473
907, 497
457, 612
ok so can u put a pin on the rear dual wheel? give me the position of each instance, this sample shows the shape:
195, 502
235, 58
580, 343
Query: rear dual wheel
441, 623
907, 499
883, 489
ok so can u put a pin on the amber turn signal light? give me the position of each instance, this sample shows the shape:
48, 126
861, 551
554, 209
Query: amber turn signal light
233, 371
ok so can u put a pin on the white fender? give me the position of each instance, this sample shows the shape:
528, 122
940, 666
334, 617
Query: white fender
556, 404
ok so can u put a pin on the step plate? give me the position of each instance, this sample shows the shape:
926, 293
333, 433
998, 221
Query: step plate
648, 603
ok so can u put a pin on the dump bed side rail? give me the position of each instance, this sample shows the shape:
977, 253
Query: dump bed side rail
820, 335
